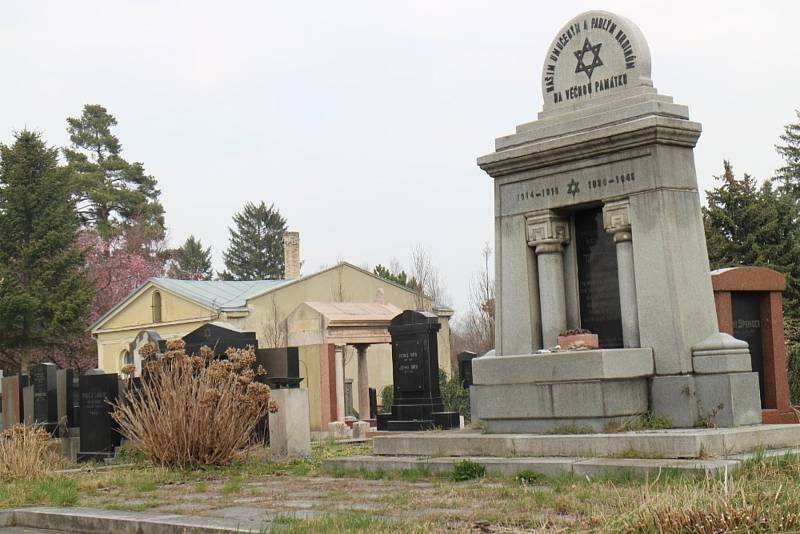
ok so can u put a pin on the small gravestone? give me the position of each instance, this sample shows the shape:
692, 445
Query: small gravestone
45, 400
417, 401
13, 404
99, 433
27, 405
64, 399
373, 403
465, 367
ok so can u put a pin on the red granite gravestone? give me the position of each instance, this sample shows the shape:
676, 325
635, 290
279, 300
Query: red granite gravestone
749, 307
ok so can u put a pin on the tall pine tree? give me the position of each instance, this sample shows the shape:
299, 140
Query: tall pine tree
789, 174
191, 261
111, 193
750, 225
255, 251
44, 294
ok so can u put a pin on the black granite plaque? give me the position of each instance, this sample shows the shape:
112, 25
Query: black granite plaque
598, 283
746, 311
45, 398
409, 375
99, 435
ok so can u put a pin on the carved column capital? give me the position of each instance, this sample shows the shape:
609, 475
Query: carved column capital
547, 231
617, 220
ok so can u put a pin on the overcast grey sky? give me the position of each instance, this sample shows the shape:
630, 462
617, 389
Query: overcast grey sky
362, 120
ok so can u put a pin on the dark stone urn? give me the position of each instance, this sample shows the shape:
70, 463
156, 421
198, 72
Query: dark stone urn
417, 401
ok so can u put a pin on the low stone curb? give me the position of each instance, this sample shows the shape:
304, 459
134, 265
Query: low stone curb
549, 466
90, 520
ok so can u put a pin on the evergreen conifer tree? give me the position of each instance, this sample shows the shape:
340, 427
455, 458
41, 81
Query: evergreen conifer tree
789, 174
44, 293
750, 225
111, 193
255, 251
191, 261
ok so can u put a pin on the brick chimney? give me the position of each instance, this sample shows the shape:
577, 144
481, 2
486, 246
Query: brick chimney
291, 255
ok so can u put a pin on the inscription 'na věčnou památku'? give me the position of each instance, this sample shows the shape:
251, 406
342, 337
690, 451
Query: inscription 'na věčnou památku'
594, 56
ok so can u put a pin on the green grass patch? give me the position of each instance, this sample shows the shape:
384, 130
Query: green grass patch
630, 452
527, 477
55, 491
333, 524
571, 429
467, 470
639, 423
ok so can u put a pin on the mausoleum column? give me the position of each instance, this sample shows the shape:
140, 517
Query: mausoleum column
547, 234
338, 364
363, 382
617, 222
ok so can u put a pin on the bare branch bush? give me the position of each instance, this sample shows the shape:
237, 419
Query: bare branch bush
193, 410
475, 330
27, 452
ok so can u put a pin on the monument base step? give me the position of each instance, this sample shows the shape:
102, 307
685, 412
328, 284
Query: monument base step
548, 466
672, 443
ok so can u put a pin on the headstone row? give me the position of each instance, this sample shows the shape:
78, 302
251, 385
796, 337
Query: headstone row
72, 408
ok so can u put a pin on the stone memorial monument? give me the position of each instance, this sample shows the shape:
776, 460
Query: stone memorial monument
749, 303
598, 226
45, 402
417, 401
99, 435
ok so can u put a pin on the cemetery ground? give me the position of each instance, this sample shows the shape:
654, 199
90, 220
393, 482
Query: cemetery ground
299, 495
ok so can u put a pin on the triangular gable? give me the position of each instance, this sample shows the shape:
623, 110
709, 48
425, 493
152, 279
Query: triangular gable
137, 294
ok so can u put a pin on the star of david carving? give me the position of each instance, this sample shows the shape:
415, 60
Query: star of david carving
596, 61
573, 188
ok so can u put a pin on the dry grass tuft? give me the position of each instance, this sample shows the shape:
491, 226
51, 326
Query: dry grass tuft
193, 410
27, 452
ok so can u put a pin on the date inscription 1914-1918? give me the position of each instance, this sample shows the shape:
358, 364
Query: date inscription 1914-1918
592, 184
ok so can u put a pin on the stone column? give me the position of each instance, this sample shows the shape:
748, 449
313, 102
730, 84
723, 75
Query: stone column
617, 221
338, 364
363, 382
548, 233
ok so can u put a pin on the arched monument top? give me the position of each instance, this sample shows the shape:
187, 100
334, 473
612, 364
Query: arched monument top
594, 55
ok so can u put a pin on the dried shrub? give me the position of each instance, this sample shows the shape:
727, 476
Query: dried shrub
27, 452
193, 410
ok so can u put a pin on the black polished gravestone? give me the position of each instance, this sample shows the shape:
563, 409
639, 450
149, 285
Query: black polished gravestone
598, 280
45, 397
746, 315
465, 367
417, 403
99, 433
219, 338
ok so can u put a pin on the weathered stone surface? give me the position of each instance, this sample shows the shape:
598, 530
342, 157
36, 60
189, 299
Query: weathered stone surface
541, 407
289, 427
605, 364
722, 363
729, 399
339, 430
673, 443
674, 397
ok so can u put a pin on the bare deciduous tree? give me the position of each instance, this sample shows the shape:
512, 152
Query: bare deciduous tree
429, 284
475, 330
275, 332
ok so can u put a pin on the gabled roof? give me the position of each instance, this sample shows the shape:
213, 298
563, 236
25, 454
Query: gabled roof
219, 295
216, 295
223, 295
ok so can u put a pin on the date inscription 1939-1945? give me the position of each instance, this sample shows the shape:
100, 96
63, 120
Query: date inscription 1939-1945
574, 187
